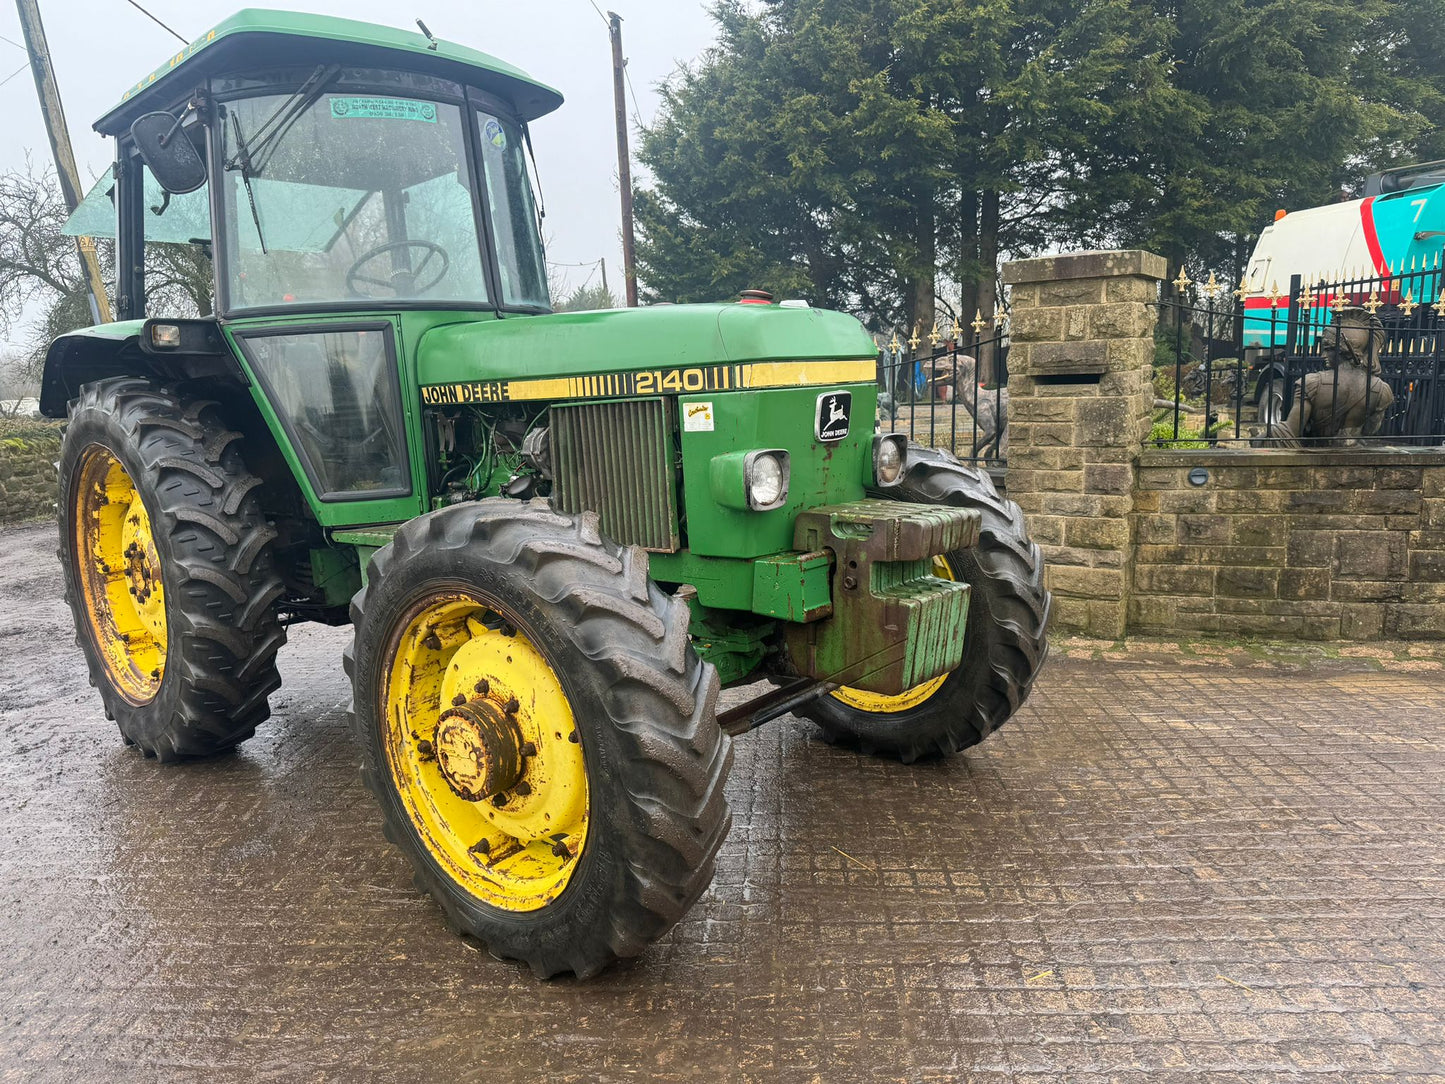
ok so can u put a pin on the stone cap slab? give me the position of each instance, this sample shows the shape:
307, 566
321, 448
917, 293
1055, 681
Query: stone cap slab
1086, 265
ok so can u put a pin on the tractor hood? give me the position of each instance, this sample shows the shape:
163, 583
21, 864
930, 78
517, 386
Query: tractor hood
712, 346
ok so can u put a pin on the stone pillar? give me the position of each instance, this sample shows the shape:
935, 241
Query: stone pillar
1080, 400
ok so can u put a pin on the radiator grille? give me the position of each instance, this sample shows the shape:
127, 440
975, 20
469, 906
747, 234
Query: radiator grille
616, 459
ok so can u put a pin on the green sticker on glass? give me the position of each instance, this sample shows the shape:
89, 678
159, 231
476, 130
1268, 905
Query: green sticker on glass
383, 109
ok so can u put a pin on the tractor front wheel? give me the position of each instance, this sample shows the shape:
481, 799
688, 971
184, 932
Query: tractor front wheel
539, 732
1005, 641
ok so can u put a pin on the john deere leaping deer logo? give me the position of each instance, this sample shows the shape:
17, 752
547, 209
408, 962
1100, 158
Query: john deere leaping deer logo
834, 408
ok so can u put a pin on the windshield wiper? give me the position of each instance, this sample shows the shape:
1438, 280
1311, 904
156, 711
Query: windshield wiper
252, 156
268, 135
242, 161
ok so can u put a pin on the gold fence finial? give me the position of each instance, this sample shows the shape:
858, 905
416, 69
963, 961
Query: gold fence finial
1212, 287
1373, 305
1408, 306
913, 342
934, 338
1306, 299
1183, 282
979, 323
1275, 297
1243, 291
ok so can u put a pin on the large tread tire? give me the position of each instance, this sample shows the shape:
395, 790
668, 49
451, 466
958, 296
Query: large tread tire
215, 550
645, 707
1006, 638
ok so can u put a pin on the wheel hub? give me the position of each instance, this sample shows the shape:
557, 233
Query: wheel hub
479, 750
138, 570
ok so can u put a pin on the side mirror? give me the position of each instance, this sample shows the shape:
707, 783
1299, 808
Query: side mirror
168, 152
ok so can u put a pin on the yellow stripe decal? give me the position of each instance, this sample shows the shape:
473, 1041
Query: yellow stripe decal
654, 382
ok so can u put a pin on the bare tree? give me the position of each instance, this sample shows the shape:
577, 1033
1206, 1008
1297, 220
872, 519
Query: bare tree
39, 268
15, 386
41, 282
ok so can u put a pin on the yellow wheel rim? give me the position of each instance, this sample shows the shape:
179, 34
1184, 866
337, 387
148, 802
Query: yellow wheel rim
456, 658
120, 576
882, 704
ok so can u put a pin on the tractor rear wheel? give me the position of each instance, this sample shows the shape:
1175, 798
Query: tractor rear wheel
539, 732
168, 568
1006, 638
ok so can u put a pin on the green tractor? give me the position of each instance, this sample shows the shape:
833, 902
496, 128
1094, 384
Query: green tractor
558, 536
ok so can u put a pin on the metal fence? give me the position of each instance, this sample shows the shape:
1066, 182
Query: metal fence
1240, 366
949, 389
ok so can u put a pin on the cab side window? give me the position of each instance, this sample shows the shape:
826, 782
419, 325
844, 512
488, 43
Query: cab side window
180, 281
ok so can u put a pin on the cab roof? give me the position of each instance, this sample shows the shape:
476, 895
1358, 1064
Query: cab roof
256, 39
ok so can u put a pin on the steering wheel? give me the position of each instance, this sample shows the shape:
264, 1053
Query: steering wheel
402, 280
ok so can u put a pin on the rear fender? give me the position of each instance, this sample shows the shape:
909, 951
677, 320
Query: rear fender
123, 349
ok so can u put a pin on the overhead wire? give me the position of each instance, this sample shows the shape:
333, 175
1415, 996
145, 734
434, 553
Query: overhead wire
158, 23
13, 74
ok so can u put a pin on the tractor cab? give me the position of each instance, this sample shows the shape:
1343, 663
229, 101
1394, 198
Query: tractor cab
368, 182
326, 164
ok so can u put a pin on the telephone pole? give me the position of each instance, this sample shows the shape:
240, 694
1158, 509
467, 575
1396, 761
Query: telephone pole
624, 160
49, 92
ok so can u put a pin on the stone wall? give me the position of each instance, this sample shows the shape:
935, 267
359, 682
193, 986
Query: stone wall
28, 452
1316, 545
1339, 544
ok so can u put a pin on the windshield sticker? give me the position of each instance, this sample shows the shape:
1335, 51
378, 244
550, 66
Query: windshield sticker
496, 134
383, 109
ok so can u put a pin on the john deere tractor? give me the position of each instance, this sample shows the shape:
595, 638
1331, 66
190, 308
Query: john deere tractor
557, 536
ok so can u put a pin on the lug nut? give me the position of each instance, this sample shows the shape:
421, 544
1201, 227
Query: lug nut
572, 737
499, 801
483, 846
432, 642
560, 850
458, 700
528, 749
523, 788
483, 687
511, 706
425, 748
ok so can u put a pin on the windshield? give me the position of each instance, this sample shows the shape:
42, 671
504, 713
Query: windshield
356, 198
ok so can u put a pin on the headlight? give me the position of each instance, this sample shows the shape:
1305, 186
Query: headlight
751, 481
889, 454
766, 476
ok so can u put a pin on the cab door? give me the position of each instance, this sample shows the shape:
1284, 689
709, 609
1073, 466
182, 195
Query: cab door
331, 392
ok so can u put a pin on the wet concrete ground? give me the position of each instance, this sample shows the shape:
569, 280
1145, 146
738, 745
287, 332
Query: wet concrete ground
1156, 872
